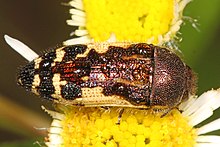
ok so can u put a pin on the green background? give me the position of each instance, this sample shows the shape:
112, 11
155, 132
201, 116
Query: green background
41, 24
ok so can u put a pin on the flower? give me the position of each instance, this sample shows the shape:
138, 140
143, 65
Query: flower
78, 126
98, 127
81, 126
151, 21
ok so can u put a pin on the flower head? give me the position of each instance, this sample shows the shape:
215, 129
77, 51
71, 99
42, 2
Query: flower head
99, 127
154, 22
151, 21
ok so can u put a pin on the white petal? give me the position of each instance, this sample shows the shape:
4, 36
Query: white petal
209, 99
55, 130
185, 105
112, 38
56, 123
160, 39
75, 23
81, 32
167, 36
21, 48
150, 40
77, 12
183, 4
216, 103
77, 18
77, 4
54, 114
175, 27
208, 139
55, 139
212, 126
79, 40
207, 145
199, 116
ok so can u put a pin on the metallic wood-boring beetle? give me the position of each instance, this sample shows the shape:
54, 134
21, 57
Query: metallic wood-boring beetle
110, 74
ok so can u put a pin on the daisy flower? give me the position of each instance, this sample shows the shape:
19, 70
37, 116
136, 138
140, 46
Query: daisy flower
137, 128
79, 126
151, 21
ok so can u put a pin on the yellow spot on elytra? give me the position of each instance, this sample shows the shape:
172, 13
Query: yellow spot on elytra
102, 47
36, 83
59, 56
57, 83
37, 63
85, 78
93, 97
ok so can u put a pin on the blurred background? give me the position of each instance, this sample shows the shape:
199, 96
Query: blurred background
42, 24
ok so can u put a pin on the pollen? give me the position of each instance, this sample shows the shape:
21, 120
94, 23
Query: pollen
151, 21
128, 20
99, 127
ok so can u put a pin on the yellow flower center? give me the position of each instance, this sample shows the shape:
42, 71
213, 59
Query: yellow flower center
98, 127
129, 20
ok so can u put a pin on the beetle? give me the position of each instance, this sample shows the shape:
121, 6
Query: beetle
125, 74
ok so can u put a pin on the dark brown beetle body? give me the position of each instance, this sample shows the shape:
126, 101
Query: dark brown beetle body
110, 74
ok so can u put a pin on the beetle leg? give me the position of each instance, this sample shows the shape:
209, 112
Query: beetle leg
119, 116
168, 111
181, 111
165, 113
105, 107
